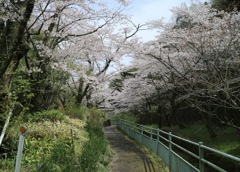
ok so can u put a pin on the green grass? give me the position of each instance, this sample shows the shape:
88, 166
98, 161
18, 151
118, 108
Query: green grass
96, 154
226, 140
126, 116
62, 159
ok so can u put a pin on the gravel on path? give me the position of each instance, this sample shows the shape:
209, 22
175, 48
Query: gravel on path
129, 156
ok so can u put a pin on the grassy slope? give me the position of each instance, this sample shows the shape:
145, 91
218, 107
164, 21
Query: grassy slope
40, 139
47, 140
226, 141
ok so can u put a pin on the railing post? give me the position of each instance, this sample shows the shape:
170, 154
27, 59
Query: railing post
158, 132
201, 156
126, 126
20, 148
118, 122
151, 139
170, 150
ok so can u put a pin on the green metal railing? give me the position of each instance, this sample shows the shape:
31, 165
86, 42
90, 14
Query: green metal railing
180, 155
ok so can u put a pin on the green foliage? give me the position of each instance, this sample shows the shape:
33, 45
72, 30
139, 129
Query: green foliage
129, 73
6, 165
62, 159
21, 89
117, 83
226, 140
53, 143
95, 150
35, 149
76, 112
46, 115
43, 141
226, 5
94, 115
126, 116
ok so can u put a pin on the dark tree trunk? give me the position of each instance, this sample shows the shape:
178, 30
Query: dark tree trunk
207, 119
159, 116
82, 92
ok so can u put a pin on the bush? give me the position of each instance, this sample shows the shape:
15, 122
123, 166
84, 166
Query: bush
54, 144
76, 112
42, 141
125, 115
47, 115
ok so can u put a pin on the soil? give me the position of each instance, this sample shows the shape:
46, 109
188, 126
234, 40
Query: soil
130, 156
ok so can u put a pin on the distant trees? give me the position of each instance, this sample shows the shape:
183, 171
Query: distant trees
226, 5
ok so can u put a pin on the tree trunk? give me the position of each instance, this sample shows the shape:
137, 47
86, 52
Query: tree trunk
82, 92
5, 86
174, 110
159, 116
5, 126
178, 122
208, 123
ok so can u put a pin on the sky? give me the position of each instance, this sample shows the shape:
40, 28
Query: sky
143, 11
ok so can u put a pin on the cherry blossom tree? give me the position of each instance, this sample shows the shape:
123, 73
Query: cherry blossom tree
198, 60
81, 38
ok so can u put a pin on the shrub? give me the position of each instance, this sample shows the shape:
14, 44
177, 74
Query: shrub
76, 112
42, 140
47, 115
62, 159
125, 115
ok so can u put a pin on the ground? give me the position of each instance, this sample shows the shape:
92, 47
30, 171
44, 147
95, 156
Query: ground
130, 156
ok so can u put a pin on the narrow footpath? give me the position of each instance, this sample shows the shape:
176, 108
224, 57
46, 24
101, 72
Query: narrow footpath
129, 156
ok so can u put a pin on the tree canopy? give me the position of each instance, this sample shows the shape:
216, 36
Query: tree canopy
193, 66
57, 52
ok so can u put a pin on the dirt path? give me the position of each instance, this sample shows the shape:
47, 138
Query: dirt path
129, 157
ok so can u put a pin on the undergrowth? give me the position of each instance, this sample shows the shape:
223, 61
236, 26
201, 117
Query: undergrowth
56, 142
95, 155
226, 140
126, 116
62, 159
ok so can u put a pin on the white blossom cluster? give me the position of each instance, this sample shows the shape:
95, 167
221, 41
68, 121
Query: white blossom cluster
9, 11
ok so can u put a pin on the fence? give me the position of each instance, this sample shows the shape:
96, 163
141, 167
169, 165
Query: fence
179, 154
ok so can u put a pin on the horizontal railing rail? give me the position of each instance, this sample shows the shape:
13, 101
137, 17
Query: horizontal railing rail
180, 155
